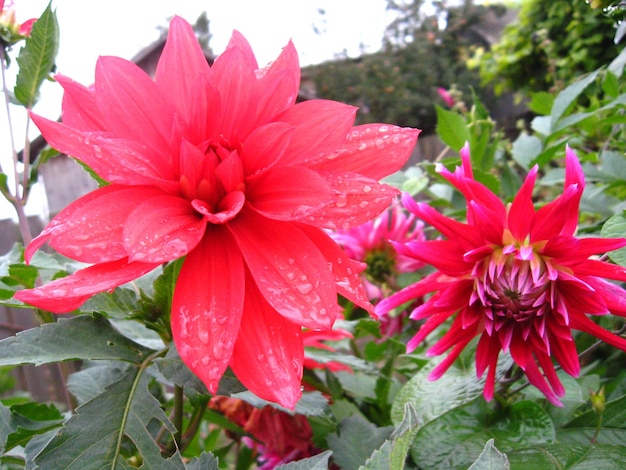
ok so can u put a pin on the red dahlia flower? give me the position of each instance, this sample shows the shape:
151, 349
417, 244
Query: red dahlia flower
516, 277
218, 164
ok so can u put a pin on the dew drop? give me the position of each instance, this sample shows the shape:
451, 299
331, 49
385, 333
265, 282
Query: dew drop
205, 361
291, 276
364, 204
305, 288
367, 188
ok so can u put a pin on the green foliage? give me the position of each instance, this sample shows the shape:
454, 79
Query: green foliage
37, 57
552, 42
399, 85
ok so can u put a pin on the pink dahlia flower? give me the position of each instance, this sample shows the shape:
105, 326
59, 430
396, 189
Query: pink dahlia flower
219, 165
373, 244
516, 277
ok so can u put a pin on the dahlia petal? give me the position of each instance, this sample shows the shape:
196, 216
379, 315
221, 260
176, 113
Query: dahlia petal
80, 110
280, 90
454, 336
591, 267
131, 103
357, 200
614, 296
426, 329
536, 378
238, 41
269, 351
182, 51
233, 76
230, 172
320, 126
573, 170
545, 362
289, 270
595, 245
208, 305
566, 355
466, 235
90, 229
581, 322
114, 160
68, 293
345, 270
443, 254
265, 146
162, 229
287, 193
204, 112
559, 217
428, 284
452, 356
486, 221
522, 208
363, 147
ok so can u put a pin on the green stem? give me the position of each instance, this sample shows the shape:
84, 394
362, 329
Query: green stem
177, 420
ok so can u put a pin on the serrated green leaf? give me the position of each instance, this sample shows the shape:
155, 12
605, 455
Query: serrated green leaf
205, 461
317, 462
525, 150
491, 459
452, 128
431, 399
456, 438
175, 370
311, 403
83, 337
568, 457
392, 454
117, 304
356, 440
92, 438
31, 419
93, 378
36, 58
5, 425
615, 227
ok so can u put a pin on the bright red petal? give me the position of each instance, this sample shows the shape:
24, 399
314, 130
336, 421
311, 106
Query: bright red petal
68, 293
265, 146
364, 145
269, 352
90, 229
287, 193
208, 305
162, 229
80, 110
288, 269
522, 209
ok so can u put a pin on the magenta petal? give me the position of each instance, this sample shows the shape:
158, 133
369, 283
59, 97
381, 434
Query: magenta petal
68, 293
269, 352
522, 209
162, 229
208, 305
265, 146
80, 110
364, 145
288, 269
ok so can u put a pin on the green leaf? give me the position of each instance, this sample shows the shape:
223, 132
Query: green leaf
566, 97
92, 380
205, 461
586, 436
356, 440
31, 419
36, 58
176, 371
117, 304
82, 337
541, 103
525, 149
431, 399
491, 459
615, 227
456, 438
452, 128
393, 452
317, 462
93, 437
614, 416
568, 457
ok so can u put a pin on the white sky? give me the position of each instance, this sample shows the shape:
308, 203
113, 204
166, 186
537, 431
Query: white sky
90, 28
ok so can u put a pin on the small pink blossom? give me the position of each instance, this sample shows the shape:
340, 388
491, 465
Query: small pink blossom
514, 276
446, 96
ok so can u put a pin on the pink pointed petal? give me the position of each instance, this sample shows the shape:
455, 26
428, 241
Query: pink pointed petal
536, 378
486, 221
345, 270
444, 365
559, 217
233, 76
269, 352
228, 208
238, 41
288, 269
573, 171
321, 127
162, 229
357, 200
443, 254
68, 293
522, 209
265, 146
592, 267
208, 305
114, 160
583, 323
614, 296
429, 284
80, 110
203, 112
90, 229
566, 355
364, 145
132, 104
287, 193
595, 246
182, 51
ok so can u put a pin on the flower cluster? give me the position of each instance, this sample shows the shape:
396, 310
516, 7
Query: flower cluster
218, 164
10, 30
514, 276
